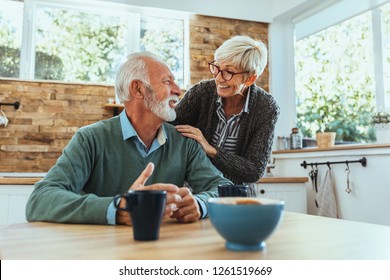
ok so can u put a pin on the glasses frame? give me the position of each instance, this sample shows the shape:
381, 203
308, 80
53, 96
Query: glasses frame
211, 64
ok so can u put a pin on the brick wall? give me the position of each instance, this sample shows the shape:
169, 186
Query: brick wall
49, 115
208, 33
51, 112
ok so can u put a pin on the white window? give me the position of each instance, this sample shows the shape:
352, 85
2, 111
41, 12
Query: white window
85, 41
342, 75
385, 24
11, 27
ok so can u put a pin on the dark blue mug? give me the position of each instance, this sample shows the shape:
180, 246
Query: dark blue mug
146, 208
234, 190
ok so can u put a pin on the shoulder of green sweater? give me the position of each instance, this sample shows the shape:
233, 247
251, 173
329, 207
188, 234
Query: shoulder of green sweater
104, 126
176, 136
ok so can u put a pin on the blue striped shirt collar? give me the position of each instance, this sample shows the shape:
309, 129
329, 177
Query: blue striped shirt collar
128, 130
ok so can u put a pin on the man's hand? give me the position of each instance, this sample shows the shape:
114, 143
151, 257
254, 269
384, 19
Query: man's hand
188, 207
173, 197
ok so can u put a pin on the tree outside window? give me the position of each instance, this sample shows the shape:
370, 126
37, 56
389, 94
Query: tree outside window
385, 17
335, 82
165, 37
77, 44
78, 47
10, 38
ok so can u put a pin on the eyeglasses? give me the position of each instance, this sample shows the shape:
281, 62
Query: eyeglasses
226, 74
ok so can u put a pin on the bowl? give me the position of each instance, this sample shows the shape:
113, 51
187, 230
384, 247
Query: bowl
245, 222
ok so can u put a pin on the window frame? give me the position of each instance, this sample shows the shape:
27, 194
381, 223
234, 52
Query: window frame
284, 30
134, 14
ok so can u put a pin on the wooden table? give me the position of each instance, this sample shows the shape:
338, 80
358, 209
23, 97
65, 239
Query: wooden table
299, 236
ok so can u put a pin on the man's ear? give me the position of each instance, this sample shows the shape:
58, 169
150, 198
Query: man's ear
250, 80
135, 89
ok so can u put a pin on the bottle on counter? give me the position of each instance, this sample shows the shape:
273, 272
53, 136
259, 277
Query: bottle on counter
296, 139
283, 143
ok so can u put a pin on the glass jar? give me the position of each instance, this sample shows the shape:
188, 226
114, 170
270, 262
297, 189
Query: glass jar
296, 139
283, 143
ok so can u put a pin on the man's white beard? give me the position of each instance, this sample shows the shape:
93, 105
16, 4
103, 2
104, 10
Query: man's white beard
160, 108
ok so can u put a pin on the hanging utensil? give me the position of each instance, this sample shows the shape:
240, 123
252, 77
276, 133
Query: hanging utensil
347, 170
315, 174
3, 119
311, 175
316, 178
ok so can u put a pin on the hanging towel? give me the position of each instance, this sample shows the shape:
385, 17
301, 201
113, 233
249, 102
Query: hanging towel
325, 197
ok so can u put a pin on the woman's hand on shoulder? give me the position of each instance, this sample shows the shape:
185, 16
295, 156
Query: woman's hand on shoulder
195, 133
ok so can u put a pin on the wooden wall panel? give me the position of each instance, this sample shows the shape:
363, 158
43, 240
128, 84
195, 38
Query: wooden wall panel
49, 115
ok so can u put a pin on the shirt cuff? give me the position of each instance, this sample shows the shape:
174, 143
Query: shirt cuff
111, 214
203, 208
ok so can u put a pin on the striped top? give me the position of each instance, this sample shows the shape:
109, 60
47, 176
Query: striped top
226, 134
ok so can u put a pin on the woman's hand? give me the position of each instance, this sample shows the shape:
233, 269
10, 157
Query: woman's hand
197, 135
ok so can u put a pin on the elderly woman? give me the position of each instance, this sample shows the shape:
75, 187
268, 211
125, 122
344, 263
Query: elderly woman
229, 116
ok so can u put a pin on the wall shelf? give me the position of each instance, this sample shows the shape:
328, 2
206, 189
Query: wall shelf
117, 108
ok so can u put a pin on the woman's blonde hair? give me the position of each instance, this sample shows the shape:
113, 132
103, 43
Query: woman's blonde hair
245, 53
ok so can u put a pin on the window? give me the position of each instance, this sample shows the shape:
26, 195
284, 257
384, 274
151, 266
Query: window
11, 22
77, 46
80, 42
385, 23
338, 82
169, 33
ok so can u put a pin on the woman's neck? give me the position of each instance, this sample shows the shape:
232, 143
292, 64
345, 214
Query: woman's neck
233, 105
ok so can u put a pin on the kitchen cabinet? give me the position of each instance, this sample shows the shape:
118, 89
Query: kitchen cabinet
13, 199
15, 189
292, 191
368, 201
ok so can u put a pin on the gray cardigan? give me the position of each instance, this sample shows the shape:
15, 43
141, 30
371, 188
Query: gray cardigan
198, 109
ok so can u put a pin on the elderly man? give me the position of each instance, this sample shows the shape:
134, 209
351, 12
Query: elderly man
115, 155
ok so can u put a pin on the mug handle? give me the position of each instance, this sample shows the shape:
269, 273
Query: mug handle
246, 191
117, 200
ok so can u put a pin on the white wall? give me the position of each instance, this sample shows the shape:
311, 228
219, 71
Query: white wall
254, 10
281, 68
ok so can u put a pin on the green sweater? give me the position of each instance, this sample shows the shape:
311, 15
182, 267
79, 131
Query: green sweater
98, 164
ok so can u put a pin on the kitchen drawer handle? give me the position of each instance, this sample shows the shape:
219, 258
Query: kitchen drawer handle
262, 191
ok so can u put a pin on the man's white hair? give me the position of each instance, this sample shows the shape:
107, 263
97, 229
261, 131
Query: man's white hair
134, 68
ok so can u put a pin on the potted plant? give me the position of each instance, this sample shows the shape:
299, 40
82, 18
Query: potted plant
325, 137
381, 121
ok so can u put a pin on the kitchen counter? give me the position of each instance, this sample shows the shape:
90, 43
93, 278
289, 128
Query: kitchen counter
8, 180
277, 180
19, 180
